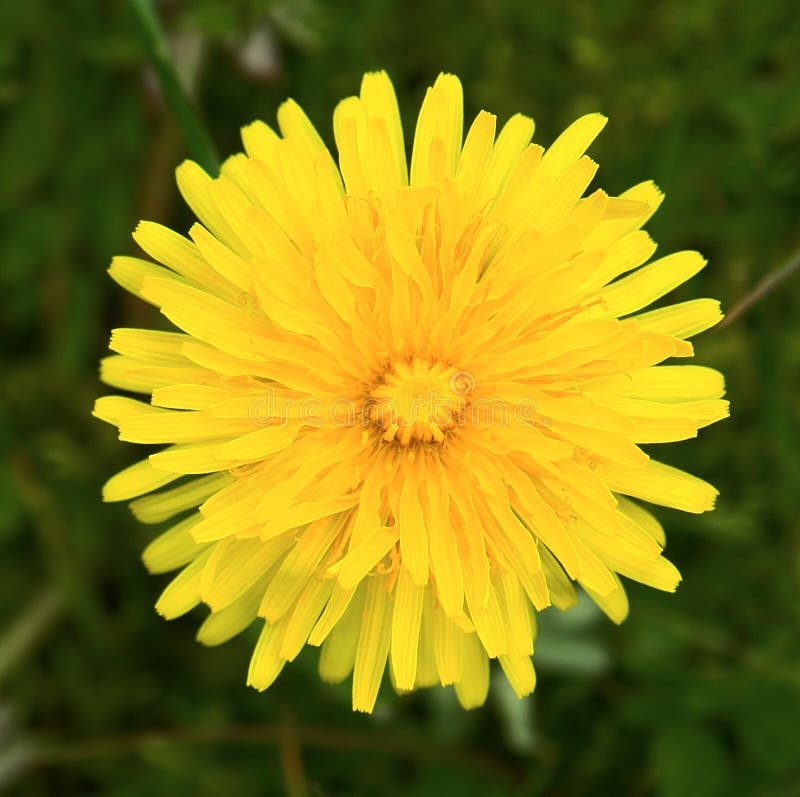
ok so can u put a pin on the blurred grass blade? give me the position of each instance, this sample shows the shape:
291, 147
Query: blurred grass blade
22, 637
516, 717
15, 758
201, 147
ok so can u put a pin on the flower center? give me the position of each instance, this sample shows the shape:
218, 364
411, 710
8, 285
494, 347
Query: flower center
419, 400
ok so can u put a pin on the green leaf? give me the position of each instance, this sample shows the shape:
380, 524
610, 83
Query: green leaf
689, 760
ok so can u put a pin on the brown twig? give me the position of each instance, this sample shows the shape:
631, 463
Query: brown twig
56, 753
766, 286
294, 777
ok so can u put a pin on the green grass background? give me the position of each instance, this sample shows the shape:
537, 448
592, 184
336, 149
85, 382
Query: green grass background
696, 694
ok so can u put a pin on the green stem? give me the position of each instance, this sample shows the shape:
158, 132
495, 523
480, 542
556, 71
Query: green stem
199, 142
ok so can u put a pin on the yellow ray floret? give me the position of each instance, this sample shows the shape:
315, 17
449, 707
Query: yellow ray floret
404, 403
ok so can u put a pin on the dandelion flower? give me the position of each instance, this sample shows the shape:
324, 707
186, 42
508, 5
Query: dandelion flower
403, 408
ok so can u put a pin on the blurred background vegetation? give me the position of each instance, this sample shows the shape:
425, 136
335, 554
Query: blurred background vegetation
696, 694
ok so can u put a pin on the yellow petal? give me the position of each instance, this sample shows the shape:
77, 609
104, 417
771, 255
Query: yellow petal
116, 409
180, 427
427, 672
266, 663
189, 458
150, 344
440, 118
520, 673
131, 273
259, 444
475, 155
510, 144
220, 626
197, 189
667, 383
682, 320
372, 648
361, 559
161, 506
260, 141
349, 130
339, 648
234, 566
489, 622
448, 648
182, 256
627, 253
141, 376
379, 101
406, 621
474, 684
661, 484
173, 548
181, 594
298, 568
136, 480
625, 213
301, 514
294, 123
516, 609
304, 615
618, 555
642, 518
644, 286
559, 587
614, 605
413, 532
572, 143
224, 264
444, 556
332, 613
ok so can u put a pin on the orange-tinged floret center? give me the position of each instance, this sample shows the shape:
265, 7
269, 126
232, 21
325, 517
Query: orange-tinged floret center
417, 400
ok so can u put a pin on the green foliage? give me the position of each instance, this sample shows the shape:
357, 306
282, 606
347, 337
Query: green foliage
696, 694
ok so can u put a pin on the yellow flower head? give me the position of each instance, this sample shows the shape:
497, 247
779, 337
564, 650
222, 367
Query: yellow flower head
404, 405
